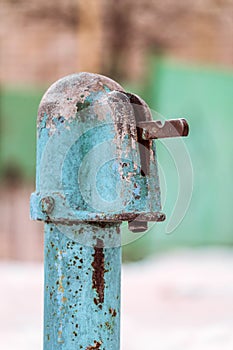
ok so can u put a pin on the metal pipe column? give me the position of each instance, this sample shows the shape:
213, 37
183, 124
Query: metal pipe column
82, 289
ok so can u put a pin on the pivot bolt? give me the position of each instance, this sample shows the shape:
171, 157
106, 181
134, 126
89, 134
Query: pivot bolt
47, 205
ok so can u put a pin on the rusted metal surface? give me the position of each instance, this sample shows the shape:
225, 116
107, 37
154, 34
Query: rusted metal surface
62, 212
169, 128
138, 226
98, 272
142, 114
94, 347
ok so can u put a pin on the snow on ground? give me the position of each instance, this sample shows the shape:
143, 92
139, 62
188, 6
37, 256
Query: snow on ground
177, 301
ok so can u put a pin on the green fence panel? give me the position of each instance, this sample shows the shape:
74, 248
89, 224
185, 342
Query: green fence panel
17, 130
205, 97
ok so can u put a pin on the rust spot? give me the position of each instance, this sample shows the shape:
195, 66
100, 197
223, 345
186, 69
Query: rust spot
96, 346
142, 113
98, 271
112, 312
97, 303
108, 325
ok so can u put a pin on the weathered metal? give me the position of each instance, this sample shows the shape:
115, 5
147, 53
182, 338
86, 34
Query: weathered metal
82, 289
95, 169
158, 130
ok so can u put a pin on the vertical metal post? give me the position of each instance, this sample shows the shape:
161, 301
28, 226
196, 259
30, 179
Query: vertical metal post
82, 290
96, 167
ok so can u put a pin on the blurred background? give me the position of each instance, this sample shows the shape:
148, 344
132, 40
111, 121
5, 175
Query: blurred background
178, 55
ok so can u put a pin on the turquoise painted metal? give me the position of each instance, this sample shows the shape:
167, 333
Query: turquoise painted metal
82, 290
96, 167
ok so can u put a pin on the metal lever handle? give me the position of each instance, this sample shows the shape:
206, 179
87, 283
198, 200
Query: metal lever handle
159, 130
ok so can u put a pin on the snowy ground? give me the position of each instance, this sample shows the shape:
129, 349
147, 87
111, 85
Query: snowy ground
178, 301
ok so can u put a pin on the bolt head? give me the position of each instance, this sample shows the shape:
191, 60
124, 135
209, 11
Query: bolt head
47, 205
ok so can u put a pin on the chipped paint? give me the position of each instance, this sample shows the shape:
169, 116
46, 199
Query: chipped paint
112, 312
96, 345
98, 271
63, 96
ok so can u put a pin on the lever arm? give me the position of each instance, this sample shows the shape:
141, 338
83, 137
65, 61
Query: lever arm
159, 130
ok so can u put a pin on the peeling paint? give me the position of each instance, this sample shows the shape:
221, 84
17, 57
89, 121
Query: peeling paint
98, 271
96, 346
62, 97
112, 312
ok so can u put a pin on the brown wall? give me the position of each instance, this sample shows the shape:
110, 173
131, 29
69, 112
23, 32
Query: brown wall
43, 40
20, 238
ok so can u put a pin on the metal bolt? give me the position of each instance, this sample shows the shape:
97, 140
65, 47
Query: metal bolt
47, 205
137, 226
